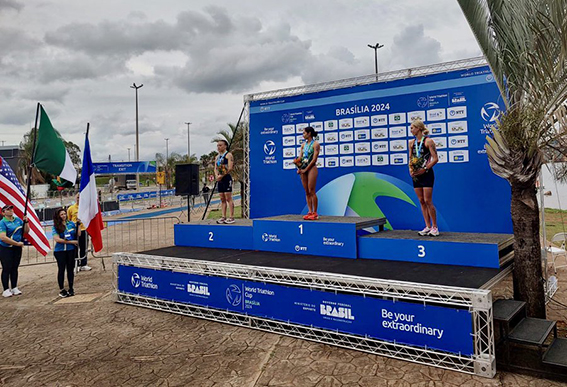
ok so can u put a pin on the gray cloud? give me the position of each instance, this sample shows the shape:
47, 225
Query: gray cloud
413, 48
10, 4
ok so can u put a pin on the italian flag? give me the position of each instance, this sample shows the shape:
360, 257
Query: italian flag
51, 155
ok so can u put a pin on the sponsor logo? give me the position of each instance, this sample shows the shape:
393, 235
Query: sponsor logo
398, 132
398, 146
397, 118
286, 117
380, 160
362, 134
347, 148
361, 122
423, 102
288, 164
331, 150
135, 280
300, 140
289, 152
346, 136
440, 128
334, 311
457, 127
458, 99
331, 137
345, 123
300, 248
288, 129
362, 161
234, 295
299, 127
440, 142
332, 242
143, 281
269, 131
318, 126
264, 109
458, 142
490, 112
269, 147
310, 116
399, 158
436, 115
320, 162
457, 112
347, 161
362, 147
331, 125
379, 120
380, 146
379, 133
417, 115
442, 157
266, 237
459, 156
202, 290
331, 162
287, 141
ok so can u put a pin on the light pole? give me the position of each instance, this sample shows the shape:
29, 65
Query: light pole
137, 133
376, 48
167, 163
188, 142
128, 154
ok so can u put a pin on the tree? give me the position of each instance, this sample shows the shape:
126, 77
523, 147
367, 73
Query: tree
171, 162
525, 44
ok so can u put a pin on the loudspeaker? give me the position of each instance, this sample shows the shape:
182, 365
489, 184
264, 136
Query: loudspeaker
187, 179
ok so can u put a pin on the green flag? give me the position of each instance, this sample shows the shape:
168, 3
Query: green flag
51, 156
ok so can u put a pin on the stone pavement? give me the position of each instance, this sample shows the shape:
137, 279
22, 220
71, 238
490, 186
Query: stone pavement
90, 340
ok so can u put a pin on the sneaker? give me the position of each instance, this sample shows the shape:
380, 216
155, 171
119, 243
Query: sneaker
70, 293
7, 293
63, 293
85, 268
221, 221
425, 231
434, 232
306, 217
229, 221
313, 216
16, 291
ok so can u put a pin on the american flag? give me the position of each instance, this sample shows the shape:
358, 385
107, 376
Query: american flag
11, 192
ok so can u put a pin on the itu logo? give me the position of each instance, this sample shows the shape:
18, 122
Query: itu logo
136, 280
423, 102
265, 237
490, 112
234, 295
269, 148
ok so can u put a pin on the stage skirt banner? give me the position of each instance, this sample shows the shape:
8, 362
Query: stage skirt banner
364, 133
426, 326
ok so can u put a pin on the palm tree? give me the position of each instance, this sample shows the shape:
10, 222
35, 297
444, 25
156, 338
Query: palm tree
525, 44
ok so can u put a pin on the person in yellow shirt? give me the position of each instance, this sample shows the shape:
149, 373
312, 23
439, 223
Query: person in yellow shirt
72, 215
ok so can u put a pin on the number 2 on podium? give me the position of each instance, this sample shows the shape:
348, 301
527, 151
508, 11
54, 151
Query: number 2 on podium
300, 229
211, 235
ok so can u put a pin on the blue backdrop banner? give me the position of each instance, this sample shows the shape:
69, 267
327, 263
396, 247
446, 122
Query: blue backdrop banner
420, 325
363, 165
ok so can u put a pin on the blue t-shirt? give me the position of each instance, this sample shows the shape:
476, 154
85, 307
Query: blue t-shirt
14, 229
70, 234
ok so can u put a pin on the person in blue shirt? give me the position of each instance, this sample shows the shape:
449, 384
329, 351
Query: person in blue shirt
12, 230
65, 234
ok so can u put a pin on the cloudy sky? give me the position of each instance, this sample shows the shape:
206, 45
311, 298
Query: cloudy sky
196, 59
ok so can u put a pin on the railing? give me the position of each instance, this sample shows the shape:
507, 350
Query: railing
119, 235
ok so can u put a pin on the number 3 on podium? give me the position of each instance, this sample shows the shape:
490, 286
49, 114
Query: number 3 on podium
421, 251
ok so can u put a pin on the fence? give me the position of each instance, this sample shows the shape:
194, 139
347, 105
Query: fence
120, 235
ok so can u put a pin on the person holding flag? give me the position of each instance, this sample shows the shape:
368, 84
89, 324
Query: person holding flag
12, 230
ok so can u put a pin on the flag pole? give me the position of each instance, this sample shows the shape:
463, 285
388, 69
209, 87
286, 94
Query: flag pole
77, 227
30, 168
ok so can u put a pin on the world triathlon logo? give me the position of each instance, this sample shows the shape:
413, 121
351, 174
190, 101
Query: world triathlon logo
265, 237
269, 148
490, 112
234, 295
136, 280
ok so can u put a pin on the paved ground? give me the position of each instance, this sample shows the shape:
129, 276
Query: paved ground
90, 340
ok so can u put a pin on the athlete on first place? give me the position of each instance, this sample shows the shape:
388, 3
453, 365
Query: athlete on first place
307, 169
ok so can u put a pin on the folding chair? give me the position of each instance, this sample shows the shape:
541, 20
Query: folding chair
556, 252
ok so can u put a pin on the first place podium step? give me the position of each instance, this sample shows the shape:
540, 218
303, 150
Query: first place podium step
330, 236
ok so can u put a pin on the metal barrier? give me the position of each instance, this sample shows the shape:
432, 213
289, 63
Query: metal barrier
130, 235
136, 235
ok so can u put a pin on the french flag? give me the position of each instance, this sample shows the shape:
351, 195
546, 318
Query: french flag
89, 208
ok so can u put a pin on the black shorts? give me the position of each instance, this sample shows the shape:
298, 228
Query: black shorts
425, 180
225, 185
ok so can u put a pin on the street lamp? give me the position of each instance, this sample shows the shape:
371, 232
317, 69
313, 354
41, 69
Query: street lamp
137, 132
128, 154
376, 48
166, 162
188, 143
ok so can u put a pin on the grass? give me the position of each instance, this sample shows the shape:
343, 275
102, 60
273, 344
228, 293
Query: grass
217, 214
555, 222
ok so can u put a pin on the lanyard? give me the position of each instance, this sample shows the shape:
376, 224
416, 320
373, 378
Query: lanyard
308, 148
221, 158
418, 150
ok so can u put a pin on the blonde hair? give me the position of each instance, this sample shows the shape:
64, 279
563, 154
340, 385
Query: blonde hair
421, 126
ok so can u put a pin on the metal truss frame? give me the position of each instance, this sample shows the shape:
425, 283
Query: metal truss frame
245, 199
476, 301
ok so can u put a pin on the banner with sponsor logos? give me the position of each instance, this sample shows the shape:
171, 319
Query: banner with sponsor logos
434, 327
145, 195
363, 165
